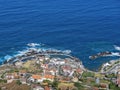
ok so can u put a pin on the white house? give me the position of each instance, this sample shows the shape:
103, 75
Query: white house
36, 78
38, 88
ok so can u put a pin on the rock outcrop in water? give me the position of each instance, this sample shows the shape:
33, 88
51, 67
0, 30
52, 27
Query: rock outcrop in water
101, 54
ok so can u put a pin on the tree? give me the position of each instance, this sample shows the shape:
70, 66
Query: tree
88, 74
78, 85
18, 82
55, 84
48, 82
112, 86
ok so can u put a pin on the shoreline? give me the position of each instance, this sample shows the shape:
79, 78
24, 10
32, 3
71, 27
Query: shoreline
37, 67
31, 54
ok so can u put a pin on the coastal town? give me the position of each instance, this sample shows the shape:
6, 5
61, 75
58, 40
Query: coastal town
56, 70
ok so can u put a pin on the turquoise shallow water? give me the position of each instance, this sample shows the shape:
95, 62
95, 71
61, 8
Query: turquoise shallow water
82, 26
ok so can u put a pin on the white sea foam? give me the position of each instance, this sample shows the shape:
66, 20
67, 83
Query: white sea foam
20, 53
7, 57
57, 50
117, 47
33, 44
115, 54
67, 51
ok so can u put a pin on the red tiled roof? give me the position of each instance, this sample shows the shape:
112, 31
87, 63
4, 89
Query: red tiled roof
49, 76
47, 88
36, 76
103, 85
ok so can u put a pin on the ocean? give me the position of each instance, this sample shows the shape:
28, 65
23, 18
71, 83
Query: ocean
85, 27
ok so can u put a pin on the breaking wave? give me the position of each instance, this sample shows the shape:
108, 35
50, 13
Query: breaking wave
31, 46
117, 47
115, 54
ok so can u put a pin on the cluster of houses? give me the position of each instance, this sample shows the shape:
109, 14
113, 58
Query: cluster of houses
63, 69
21, 75
113, 68
40, 79
57, 67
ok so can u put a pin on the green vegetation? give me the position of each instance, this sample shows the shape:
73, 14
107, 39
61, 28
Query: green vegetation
111, 75
55, 84
93, 83
112, 86
88, 74
3, 81
16, 70
18, 82
47, 81
79, 86
104, 81
2, 76
11, 71
117, 62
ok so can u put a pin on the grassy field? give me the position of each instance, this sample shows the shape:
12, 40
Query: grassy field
66, 85
15, 86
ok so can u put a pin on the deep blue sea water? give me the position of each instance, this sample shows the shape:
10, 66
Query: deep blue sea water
85, 27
